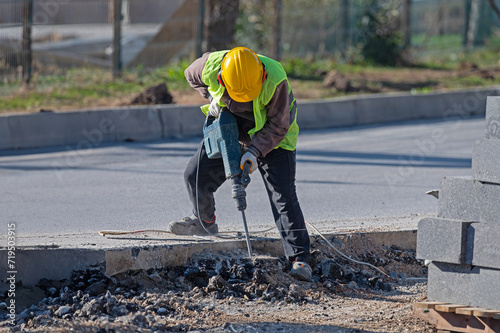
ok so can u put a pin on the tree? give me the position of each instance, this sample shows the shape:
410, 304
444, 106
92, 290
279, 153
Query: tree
220, 24
478, 22
495, 7
381, 37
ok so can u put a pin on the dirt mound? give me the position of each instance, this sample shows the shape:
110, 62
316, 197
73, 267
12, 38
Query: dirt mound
158, 94
468, 69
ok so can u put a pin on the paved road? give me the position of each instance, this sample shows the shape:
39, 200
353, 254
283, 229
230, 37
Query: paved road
356, 177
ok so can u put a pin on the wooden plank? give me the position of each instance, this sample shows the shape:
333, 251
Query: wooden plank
453, 322
485, 313
496, 315
448, 307
446, 321
467, 311
427, 305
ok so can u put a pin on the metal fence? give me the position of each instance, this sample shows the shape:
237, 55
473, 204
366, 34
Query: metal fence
329, 27
453, 24
53, 35
59, 34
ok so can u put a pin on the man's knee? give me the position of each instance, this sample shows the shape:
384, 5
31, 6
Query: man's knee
190, 175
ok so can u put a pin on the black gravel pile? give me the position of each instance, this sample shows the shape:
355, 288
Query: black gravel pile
157, 298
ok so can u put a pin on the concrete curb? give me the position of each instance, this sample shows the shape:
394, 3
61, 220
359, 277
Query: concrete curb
383, 108
89, 128
33, 264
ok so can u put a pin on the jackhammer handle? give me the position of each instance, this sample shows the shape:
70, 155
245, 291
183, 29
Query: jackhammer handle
245, 174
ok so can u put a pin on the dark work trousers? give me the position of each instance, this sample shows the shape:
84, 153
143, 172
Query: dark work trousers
278, 172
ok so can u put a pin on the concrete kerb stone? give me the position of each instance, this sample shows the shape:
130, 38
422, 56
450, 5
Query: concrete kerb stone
326, 113
137, 258
85, 128
466, 199
442, 240
404, 239
489, 195
483, 247
55, 264
5, 137
458, 199
472, 279
449, 283
493, 118
134, 124
486, 161
181, 121
41, 129
473, 286
35, 263
393, 107
486, 152
146, 123
122, 260
459, 242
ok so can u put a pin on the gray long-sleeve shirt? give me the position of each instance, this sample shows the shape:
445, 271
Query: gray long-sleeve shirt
278, 113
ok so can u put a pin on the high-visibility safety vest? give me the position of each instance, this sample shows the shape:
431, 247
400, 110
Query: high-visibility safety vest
275, 75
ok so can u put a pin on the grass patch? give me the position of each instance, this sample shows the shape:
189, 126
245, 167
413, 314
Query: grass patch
91, 87
88, 87
437, 42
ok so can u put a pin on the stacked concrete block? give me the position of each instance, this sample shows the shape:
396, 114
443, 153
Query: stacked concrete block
485, 156
464, 198
442, 240
474, 286
463, 242
483, 245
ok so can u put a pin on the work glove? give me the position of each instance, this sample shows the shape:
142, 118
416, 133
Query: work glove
214, 109
251, 155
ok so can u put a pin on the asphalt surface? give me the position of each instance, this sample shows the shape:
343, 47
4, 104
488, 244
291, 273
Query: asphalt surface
350, 178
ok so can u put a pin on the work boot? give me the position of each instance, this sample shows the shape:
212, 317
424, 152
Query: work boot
301, 270
191, 226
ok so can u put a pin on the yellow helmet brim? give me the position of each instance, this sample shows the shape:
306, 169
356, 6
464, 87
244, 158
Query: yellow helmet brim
247, 96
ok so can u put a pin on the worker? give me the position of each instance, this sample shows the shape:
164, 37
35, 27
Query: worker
256, 90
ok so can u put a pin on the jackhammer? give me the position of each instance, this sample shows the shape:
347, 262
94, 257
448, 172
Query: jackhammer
221, 141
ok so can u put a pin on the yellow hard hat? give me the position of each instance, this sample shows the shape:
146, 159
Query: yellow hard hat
242, 74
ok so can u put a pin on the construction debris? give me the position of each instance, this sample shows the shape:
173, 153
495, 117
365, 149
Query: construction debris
220, 291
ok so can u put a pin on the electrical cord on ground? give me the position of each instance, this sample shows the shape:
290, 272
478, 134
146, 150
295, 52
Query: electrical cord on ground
130, 232
343, 255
